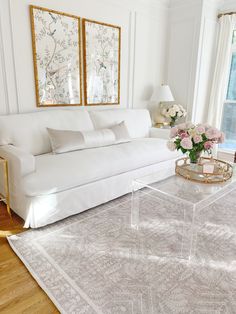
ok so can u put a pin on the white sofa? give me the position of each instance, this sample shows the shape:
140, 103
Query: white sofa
46, 187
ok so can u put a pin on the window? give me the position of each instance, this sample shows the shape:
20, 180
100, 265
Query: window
228, 124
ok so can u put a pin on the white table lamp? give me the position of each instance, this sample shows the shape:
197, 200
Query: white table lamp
161, 94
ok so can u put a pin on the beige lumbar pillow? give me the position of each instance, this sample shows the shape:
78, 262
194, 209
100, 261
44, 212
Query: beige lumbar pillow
63, 141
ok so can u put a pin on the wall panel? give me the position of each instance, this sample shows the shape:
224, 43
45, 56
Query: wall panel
4, 100
185, 25
136, 33
150, 57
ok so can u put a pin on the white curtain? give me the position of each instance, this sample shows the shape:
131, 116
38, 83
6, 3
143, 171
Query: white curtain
227, 24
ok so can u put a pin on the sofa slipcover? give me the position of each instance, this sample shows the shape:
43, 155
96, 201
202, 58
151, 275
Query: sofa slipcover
74, 169
45, 187
29, 130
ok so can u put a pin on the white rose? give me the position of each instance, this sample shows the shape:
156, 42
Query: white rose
180, 114
176, 108
172, 112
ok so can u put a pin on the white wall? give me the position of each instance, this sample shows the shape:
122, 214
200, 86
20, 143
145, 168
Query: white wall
185, 22
144, 26
192, 52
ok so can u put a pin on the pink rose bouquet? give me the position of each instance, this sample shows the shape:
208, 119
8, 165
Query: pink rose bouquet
194, 139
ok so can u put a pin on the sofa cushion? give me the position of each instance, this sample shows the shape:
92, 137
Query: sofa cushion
63, 141
55, 173
138, 121
28, 131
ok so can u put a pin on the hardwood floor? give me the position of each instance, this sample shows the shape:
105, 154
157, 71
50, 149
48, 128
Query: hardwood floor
19, 292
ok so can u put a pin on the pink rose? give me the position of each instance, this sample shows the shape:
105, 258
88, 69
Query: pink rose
208, 145
200, 129
183, 135
213, 133
173, 132
197, 139
186, 143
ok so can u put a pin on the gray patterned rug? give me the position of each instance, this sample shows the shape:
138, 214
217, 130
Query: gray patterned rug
95, 262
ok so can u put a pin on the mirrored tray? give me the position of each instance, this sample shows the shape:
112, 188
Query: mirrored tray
207, 170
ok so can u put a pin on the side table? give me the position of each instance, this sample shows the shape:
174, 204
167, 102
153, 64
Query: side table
6, 196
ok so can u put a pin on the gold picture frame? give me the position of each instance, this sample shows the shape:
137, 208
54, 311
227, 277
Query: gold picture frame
58, 73
101, 76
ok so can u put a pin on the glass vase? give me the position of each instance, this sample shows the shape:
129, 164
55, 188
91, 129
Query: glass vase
172, 123
194, 157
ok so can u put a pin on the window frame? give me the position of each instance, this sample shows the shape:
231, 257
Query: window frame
226, 101
233, 50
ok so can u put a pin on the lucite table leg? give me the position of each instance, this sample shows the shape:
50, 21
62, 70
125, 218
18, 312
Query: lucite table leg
135, 203
183, 233
187, 232
193, 236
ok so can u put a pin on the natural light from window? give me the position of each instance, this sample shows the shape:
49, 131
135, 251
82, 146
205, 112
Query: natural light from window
228, 124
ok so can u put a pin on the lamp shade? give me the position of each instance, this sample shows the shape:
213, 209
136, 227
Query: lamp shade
162, 93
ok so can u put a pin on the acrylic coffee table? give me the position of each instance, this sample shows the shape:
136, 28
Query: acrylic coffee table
169, 208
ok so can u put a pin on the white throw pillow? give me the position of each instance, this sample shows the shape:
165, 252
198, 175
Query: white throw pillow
63, 141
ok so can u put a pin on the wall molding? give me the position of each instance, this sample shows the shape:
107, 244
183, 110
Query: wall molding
16, 85
193, 66
131, 61
134, 58
199, 62
13, 57
4, 73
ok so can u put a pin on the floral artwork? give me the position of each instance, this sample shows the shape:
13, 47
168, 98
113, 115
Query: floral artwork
101, 63
56, 45
194, 139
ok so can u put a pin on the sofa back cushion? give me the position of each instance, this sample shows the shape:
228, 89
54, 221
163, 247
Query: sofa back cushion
63, 141
29, 130
138, 121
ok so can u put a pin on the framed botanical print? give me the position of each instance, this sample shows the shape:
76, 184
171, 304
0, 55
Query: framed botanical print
57, 57
101, 49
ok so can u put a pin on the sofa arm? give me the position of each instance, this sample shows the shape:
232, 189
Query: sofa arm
20, 162
160, 133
